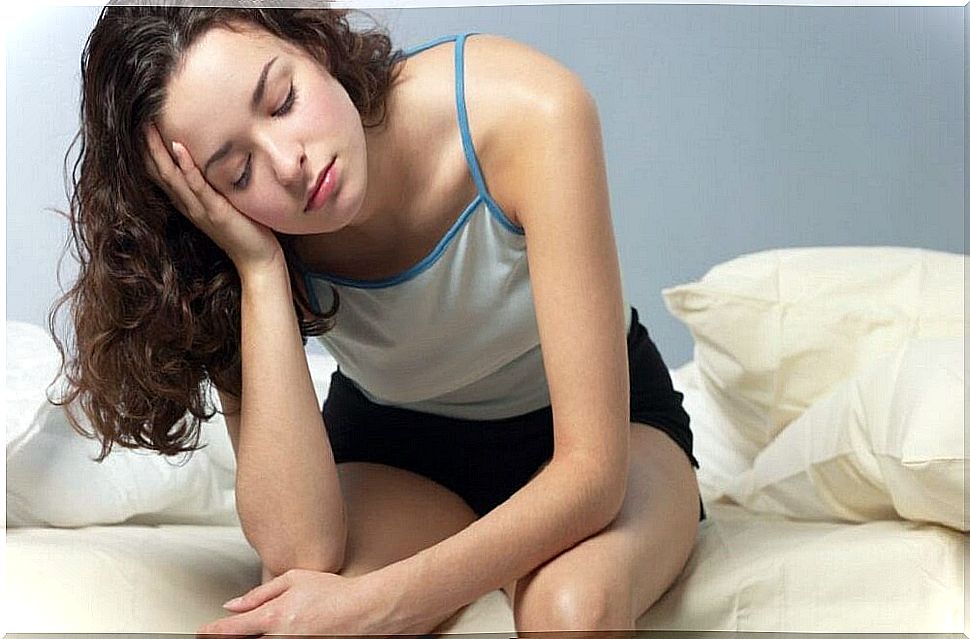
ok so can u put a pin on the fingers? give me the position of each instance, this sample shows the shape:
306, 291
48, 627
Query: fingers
256, 622
213, 201
168, 175
259, 595
255, 612
193, 176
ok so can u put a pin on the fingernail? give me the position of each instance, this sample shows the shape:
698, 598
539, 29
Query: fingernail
232, 602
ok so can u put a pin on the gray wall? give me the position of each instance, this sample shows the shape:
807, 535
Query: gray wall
728, 129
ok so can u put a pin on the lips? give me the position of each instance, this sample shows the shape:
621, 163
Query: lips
317, 185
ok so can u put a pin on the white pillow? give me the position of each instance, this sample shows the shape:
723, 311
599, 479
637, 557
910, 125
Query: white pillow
722, 454
776, 330
32, 364
888, 443
52, 480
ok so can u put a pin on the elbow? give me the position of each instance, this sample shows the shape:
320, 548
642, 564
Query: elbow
608, 503
317, 559
604, 492
326, 552
608, 496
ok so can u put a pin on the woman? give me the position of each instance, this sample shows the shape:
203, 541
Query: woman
252, 177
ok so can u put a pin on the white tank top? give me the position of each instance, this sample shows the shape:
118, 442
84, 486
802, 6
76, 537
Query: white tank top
456, 333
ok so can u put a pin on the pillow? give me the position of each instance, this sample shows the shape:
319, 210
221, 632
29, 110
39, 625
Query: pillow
776, 330
52, 480
888, 443
716, 442
32, 364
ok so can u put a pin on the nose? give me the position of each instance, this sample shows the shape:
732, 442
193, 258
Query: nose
288, 162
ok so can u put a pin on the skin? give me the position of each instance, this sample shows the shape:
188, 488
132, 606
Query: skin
283, 147
605, 527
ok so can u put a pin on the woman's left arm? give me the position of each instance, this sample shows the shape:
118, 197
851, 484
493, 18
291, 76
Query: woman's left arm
561, 199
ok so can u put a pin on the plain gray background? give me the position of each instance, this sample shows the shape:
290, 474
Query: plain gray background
728, 130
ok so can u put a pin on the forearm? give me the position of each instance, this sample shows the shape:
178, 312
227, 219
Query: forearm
562, 505
287, 490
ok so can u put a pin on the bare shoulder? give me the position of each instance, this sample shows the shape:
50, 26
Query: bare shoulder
509, 86
512, 72
511, 90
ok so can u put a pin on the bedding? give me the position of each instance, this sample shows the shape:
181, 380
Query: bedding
750, 571
52, 480
775, 331
888, 443
826, 397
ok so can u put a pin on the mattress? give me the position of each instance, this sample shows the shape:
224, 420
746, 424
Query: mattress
748, 572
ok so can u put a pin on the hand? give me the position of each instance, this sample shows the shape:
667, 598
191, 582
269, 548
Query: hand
306, 602
246, 242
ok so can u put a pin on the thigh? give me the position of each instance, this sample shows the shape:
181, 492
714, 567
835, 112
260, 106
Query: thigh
393, 513
616, 574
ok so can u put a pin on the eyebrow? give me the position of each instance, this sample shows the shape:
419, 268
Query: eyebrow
258, 92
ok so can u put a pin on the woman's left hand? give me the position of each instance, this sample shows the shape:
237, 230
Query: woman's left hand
306, 602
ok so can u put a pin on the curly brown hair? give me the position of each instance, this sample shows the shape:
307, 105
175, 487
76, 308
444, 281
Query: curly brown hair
156, 306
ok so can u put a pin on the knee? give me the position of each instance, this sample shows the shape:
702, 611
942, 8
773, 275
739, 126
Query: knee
574, 604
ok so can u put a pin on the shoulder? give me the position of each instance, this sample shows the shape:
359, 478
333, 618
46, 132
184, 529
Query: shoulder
521, 104
516, 98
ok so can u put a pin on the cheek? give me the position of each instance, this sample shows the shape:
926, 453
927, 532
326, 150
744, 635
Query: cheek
261, 207
330, 114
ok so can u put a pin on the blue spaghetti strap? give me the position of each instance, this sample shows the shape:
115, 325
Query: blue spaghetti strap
466, 137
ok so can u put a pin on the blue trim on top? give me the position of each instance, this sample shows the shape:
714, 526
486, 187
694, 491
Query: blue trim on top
466, 137
483, 195
415, 270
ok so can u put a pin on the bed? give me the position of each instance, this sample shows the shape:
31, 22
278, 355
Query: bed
826, 395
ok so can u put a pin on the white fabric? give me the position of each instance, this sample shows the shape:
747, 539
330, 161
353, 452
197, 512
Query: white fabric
32, 364
52, 480
722, 452
775, 331
748, 572
456, 335
886, 443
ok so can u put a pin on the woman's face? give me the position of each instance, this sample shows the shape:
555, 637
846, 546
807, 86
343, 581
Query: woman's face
264, 142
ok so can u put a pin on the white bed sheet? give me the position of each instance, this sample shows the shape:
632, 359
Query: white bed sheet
748, 572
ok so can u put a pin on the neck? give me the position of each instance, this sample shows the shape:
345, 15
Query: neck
391, 177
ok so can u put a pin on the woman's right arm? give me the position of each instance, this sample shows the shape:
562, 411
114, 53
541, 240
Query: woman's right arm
288, 493
287, 490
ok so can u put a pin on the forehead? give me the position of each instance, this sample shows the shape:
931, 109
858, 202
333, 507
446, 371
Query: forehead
221, 49
217, 75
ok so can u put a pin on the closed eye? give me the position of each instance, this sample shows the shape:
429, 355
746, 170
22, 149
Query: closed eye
285, 108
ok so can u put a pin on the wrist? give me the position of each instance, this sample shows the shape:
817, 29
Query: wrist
391, 596
270, 269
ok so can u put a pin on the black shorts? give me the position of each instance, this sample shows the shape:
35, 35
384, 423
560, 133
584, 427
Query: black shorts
486, 461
